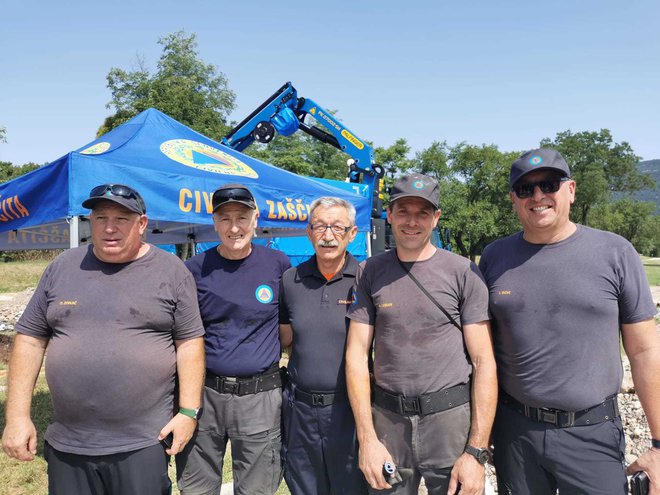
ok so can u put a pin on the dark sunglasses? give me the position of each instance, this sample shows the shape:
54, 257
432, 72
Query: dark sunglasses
526, 189
120, 191
236, 194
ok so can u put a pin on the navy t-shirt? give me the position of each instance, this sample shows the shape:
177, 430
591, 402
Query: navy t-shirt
238, 300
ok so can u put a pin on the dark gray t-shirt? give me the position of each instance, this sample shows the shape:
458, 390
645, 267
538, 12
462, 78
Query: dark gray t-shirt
417, 350
556, 311
111, 360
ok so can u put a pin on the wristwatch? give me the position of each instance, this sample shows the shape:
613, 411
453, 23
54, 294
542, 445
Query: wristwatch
481, 455
655, 443
191, 413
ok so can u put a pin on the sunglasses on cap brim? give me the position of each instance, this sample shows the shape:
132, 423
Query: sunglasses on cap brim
118, 190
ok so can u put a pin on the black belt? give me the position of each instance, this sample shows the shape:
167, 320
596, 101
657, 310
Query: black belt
268, 380
318, 399
605, 411
440, 400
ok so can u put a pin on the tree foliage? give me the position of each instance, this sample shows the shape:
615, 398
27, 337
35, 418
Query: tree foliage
3, 134
599, 166
183, 86
8, 171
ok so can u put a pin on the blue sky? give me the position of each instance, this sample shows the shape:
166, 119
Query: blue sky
502, 72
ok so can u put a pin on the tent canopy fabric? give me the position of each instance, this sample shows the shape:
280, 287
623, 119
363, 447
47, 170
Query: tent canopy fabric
175, 169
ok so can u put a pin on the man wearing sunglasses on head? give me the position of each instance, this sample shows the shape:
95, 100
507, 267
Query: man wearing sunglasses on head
561, 294
237, 288
121, 322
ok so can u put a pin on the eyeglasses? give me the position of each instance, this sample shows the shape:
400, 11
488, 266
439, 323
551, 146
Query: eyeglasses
526, 189
118, 190
221, 196
319, 228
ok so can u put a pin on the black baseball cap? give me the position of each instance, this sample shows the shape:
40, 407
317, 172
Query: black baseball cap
416, 186
123, 195
538, 159
233, 193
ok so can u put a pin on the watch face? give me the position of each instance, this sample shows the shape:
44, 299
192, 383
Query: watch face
484, 456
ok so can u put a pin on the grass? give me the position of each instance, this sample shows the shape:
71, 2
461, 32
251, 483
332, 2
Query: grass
652, 268
19, 275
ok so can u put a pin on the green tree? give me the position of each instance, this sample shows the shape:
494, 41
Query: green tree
633, 220
473, 192
183, 86
8, 171
600, 167
3, 134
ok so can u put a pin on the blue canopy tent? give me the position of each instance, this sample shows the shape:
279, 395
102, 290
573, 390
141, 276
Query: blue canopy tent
176, 170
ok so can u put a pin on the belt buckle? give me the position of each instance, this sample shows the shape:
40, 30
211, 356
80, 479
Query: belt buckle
546, 415
318, 400
409, 406
230, 386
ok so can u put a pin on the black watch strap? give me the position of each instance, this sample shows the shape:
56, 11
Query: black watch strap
655, 443
481, 455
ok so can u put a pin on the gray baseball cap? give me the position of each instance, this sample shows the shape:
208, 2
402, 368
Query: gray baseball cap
416, 186
123, 195
538, 159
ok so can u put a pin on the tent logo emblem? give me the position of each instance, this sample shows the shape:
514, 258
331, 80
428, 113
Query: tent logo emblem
204, 157
96, 149
264, 294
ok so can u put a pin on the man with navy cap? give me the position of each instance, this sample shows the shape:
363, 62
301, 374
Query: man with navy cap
425, 310
238, 289
561, 295
122, 325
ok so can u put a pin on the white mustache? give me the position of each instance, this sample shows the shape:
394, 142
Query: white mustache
323, 243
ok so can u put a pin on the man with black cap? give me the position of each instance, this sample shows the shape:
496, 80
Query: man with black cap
121, 322
238, 289
426, 312
561, 295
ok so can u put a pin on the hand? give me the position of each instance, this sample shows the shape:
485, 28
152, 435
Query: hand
469, 474
19, 440
649, 462
182, 427
373, 454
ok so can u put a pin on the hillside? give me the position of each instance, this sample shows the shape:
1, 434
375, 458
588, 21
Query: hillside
651, 167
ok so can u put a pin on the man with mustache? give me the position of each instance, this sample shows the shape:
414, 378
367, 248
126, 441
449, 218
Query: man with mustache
320, 447
561, 295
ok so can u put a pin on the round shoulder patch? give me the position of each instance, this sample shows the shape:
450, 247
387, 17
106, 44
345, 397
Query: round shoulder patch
264, 294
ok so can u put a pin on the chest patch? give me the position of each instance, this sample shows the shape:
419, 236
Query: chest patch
264, 294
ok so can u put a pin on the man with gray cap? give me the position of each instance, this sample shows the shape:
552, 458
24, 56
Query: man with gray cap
238, 288
561, 295
121, 322
426, 312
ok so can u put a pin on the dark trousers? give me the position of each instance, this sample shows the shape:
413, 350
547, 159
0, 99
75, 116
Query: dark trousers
140, 472
320, 448
539, 458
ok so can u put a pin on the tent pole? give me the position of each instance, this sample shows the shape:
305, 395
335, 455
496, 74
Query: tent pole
73, 232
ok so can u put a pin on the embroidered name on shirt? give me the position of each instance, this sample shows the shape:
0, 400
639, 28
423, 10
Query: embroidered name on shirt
68, 303
504, 293
386, 305
345, 301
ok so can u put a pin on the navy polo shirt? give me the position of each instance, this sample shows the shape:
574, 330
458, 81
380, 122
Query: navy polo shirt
316, 310
238, 300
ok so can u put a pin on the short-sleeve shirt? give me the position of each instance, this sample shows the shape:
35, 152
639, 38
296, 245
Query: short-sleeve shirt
417, 349
316, 310
238, 300
111, 360
556, 314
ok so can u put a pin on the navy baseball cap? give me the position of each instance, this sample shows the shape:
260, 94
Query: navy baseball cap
416, 186
233, 193
123, 195
538, 159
